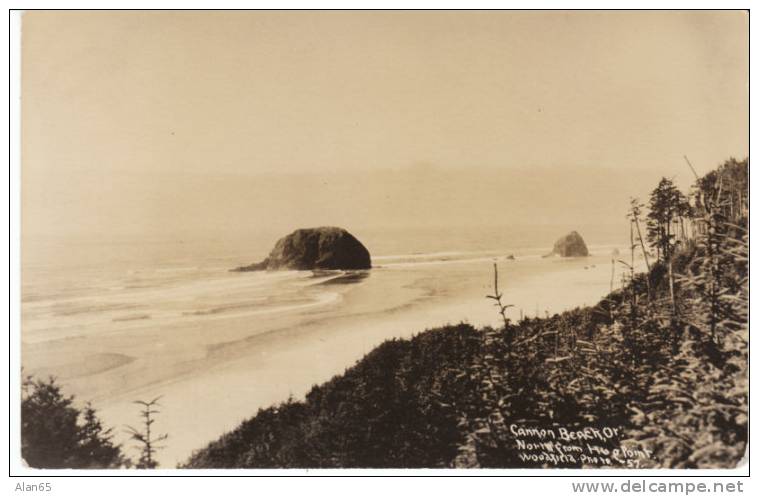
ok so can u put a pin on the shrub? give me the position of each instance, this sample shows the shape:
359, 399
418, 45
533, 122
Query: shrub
56, 434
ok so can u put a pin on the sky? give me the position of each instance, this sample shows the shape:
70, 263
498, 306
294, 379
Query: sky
167, 123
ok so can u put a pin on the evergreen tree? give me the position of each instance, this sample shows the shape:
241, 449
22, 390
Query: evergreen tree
95, 441
666, 207
55, 434
148, 441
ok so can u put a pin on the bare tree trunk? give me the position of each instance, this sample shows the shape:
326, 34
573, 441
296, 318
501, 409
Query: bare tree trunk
632, 249
611, 284
642, 245
497, 297
672, 288
645, 256
666, 239
632, 264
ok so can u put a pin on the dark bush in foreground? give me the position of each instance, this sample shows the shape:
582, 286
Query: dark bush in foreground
55, 434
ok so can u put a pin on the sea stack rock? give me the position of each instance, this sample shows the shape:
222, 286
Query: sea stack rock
571, 245
327, 248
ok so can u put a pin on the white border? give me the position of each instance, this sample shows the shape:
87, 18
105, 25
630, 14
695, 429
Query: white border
546, 481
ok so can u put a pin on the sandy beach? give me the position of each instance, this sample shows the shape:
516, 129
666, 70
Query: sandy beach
216, 356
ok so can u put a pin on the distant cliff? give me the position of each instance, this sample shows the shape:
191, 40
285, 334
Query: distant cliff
315, 248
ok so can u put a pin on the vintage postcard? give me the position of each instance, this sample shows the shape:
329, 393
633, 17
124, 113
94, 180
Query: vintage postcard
459, 240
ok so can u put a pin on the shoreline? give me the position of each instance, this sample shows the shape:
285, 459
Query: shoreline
237, 378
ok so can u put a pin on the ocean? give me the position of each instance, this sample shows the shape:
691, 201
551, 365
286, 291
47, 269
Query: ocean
120, 320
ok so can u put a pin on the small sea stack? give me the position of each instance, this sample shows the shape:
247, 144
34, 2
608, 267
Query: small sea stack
326, 248
571, 245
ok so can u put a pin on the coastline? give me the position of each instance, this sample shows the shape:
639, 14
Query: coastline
236, 378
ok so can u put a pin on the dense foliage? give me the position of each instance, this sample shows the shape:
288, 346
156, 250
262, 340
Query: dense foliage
398, 407
664, 359
56, 434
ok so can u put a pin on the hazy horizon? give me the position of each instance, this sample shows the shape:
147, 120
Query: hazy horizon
163, 123
423, 197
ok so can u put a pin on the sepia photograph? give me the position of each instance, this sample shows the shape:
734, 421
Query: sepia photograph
382, 239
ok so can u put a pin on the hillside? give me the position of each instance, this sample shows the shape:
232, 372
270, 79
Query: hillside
652, 376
